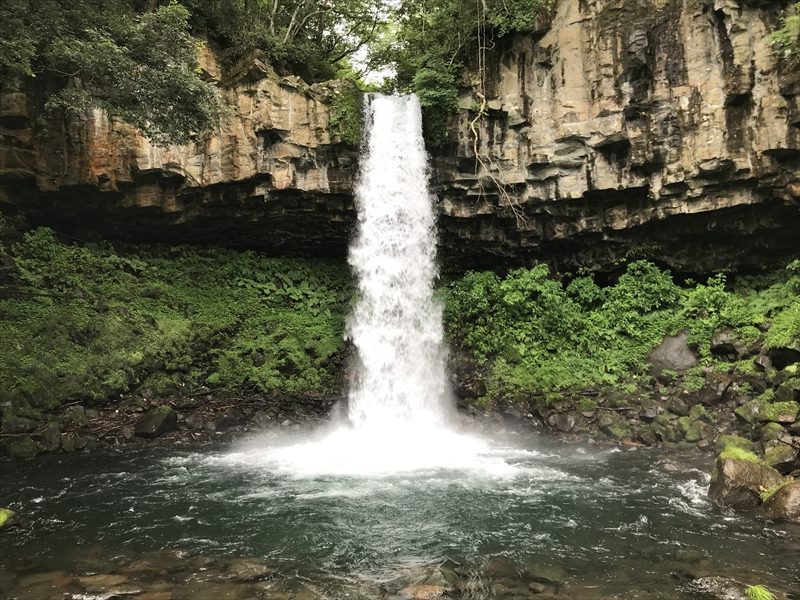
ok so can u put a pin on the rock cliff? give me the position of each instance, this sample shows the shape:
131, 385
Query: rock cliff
272, 176
658, 128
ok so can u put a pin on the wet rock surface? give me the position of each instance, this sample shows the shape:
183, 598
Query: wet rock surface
738, 483
784, 504
138, 420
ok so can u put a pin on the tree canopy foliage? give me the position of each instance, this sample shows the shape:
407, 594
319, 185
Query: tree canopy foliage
307, 37
433, 40
138, 64
138, 58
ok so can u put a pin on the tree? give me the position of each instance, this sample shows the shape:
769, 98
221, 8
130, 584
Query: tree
307, 37
137, 64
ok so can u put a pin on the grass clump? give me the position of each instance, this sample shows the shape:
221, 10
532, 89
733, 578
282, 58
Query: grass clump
769, 493
759, 592
739, 453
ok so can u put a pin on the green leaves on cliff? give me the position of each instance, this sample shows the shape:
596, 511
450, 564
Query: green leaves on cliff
536, 334
88, 322
139, 65
787, 38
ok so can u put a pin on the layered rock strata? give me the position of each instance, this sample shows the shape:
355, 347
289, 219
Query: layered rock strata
667, 129
659, 127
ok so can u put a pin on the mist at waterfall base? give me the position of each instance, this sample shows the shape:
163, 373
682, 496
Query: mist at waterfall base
399, 416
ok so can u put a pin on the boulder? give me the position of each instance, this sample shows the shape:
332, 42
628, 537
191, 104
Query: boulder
727, 344
784, 503
672, 354
714, 388
771, 431
783, 357
16, 424
678, 406
738, 482
50, 437
735, 441
156, 422
788, 391
719, 588
782, 457
649, 410
247, 570
21, 447
7, 517
563, 422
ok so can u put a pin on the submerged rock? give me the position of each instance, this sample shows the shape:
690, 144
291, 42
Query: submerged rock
719, 588
423, 592
247, 570
784, 503
156, 421
738, 482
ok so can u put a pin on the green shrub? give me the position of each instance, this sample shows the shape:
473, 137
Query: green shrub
89, 322
537, 335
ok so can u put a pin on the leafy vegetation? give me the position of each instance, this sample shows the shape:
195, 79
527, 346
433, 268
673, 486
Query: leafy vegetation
346, 118
536, 334
88, 323
434, 39
787, 38
305, 37
139, 60
140, 65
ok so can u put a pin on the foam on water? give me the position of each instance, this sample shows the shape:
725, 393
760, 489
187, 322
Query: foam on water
399, 408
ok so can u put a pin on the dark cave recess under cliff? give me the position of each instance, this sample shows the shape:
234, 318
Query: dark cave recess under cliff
569, 235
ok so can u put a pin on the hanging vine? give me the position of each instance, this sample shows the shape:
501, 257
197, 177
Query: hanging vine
484, 165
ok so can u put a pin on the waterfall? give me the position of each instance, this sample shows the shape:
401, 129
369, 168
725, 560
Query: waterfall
396, 325
399, 417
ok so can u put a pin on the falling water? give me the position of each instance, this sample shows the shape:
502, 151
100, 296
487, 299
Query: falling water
396, 326
399, 416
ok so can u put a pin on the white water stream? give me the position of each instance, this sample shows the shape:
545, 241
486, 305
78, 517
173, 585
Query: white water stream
399, 410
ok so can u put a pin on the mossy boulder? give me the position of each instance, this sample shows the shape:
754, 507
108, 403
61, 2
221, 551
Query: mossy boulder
779, 412
739, 477
771, 431
156, 422
50, 437
21, 447
788, 391
689, 429
7, 517
613, 425
17, 424
782, 457
734, 441
783, 504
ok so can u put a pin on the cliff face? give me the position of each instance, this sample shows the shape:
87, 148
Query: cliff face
664, 128
657, 127
272, 176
